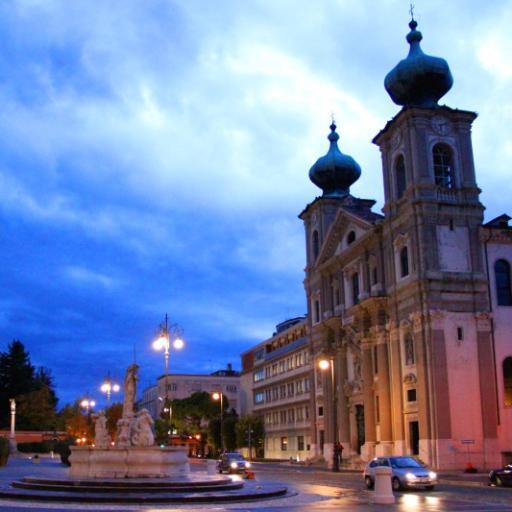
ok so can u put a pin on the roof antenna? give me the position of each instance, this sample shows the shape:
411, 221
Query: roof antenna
134, 354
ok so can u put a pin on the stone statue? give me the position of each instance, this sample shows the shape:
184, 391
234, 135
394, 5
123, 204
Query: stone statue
101, 437
142, 434
123, 432
130, 389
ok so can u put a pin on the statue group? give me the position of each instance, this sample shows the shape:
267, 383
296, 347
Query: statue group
134, 428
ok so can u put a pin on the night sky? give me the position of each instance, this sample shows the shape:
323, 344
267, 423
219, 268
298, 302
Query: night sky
154, 157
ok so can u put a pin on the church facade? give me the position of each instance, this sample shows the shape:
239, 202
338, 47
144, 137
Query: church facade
413, 307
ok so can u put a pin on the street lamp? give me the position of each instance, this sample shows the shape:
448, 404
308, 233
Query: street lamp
219, 395
325, 364
170, 335
109, 387
87, 404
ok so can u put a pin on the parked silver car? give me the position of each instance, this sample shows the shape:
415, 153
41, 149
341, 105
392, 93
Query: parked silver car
406, 472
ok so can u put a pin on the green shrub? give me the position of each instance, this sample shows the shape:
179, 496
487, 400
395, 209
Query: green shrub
63, 449
4, 450
36, 447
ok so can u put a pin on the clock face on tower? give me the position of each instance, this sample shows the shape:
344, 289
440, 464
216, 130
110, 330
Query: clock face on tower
440, 125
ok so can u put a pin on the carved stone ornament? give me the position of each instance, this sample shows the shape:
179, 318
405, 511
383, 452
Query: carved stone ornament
436, 317
396, 139
352, 387
441, 125
410, 378
483, 321
400, 241
417, 320
101, 437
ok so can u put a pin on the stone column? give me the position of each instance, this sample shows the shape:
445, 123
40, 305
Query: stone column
396, 389
343, 405
422, 386
386, 442
368, 448
488, 391
13, 446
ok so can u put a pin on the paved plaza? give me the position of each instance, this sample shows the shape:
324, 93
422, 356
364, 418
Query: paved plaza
310, 489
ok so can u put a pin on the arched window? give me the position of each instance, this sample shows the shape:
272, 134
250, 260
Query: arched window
409, 350
507, 381
355, 288
443, 165
400, 179
316, 244
503, 284
351, 237
404, 262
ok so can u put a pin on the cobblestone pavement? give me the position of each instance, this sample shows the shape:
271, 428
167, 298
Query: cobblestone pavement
311, 490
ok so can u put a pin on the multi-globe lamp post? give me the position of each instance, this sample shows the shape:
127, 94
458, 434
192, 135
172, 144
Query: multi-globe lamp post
169, 336
109, 386
328, 364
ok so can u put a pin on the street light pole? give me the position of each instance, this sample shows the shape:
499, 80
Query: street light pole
164, 342
324, 365
218, 395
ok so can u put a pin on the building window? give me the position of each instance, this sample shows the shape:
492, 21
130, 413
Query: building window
503, 285
443, 165
284, 443
300, 443
375, 360
259, 354
259, 397
377, 409
306, 412
291, 415
401, 182
404, 262
355, 288
268, 395
460, 334
259, 375
316, 244
231, 388
172, 386
317, 311
282, 391
507, 381
290, 389
320, 411
321, 436
409, 350
351, 237
411, 395
375, 276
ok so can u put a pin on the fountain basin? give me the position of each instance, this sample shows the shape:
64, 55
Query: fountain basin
131, 462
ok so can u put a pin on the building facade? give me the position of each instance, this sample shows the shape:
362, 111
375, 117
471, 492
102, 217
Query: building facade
413, 306
276, 383
178, 386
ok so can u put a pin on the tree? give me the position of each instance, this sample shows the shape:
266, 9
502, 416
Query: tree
251, 431
16, 377
36, 410
75, 422
113, 414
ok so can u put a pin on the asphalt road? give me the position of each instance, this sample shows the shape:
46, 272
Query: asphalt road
310, 489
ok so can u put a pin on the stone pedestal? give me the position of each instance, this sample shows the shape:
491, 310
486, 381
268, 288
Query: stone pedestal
383, 491
132, 462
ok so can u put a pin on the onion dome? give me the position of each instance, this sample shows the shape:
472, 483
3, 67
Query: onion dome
419, 80
334, 172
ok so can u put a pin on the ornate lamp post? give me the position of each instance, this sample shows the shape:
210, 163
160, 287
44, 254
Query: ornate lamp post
218, 395
109, 387
324, 365
170, 335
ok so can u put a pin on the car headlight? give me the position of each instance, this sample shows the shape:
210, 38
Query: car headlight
432, 475
234, 465
247, 464
410, 476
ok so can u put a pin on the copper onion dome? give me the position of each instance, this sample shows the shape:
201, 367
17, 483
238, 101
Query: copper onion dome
419, 80
334, 172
